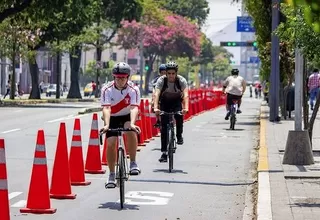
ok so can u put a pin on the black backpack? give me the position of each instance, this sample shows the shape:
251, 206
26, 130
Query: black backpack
165, 84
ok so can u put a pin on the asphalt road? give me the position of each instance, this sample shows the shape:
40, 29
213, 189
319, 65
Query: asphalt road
209, 182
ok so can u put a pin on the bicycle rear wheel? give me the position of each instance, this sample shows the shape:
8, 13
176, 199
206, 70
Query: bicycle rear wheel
232, 118
170, 150
122, 175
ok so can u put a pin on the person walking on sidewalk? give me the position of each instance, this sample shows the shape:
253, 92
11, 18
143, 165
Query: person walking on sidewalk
313, 85
120, 100
234, 86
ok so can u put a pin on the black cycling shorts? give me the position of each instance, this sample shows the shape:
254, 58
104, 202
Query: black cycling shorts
231, 97
117, 122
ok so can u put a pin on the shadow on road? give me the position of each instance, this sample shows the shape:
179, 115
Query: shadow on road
116, 206
167, 171
191, 182
253, 123
236, 129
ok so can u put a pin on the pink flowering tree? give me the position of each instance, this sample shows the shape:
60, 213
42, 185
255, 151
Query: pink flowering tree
175, 36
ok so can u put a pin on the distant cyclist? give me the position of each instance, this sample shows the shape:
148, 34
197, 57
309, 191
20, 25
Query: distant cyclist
171, 95
162, 72
120, 100
234, 86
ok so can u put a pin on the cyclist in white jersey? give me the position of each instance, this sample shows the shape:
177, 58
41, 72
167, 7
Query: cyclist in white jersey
120, 100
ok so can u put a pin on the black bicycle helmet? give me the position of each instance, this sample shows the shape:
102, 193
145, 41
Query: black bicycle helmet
234, 72
121, 69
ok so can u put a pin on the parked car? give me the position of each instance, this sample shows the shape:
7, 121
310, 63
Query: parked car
51, 90
87, 90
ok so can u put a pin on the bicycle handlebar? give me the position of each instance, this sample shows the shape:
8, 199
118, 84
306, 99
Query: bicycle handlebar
170, 113
116, 130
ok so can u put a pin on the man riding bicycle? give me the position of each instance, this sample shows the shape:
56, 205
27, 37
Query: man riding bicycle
235, 86
171, 93
120, 100
162, 72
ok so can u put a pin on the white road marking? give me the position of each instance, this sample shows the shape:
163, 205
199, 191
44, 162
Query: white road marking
18, 110
12, 130
264, 197
14, 194
147, 198
66, 118
20, 204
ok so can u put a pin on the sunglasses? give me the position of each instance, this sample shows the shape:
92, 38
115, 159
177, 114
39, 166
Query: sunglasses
171, 73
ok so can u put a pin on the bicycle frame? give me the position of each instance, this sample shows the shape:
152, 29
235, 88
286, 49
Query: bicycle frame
122, 172
171, 136
234, 107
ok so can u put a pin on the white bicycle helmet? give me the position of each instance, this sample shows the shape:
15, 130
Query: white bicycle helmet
172, 65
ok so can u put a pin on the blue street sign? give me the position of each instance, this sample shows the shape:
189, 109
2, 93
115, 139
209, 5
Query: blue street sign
245, 24
254, 60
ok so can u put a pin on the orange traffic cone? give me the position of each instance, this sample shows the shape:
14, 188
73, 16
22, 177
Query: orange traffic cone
38, 198
93, 161
4, 199
60, 181
77, 176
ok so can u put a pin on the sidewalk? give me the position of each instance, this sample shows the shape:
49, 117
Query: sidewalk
294, 190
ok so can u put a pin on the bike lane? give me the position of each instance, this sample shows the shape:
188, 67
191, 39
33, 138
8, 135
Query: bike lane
209, 180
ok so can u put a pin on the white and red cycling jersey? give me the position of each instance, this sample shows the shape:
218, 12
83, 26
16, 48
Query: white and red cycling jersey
120, 100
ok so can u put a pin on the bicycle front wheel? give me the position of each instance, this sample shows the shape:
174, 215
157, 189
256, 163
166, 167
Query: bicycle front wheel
170, 150
122, 175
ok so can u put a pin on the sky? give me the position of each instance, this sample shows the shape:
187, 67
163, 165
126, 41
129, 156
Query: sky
222, 13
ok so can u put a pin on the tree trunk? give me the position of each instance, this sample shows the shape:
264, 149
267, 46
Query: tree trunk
13, 77
98, 63
283, 101
313, 117
3, 75
146, 81
75, 60
58, 75
34, 71
163, 59
305, 98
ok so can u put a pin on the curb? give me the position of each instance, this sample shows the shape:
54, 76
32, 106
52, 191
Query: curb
89, 110
18, 102
264, 210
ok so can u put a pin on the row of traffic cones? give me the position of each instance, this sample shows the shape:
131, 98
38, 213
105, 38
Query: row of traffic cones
66, 171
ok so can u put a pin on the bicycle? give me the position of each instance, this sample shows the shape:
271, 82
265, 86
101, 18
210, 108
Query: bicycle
233, 113
171, 136
122, 172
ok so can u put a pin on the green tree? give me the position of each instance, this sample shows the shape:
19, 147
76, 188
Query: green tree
107, 21
207, 49
12, 7
311, 11
197, 10
14, 41
58, 22
105, 73
299, 34
221, 67
217, 50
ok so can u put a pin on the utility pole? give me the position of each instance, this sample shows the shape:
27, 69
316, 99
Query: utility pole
275, 66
